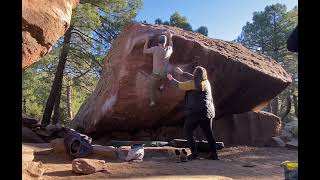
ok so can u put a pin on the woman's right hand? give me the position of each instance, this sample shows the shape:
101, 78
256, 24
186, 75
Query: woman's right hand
169, 76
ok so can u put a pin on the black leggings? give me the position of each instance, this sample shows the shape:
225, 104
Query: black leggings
191, 123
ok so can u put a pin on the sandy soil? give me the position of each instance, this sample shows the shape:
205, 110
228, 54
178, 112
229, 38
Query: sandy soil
235, 163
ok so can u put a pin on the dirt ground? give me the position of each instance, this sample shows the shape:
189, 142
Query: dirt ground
235, 163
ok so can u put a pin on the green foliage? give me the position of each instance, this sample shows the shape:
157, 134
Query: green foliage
158, 21
86, 17
267, 34
35, 91
166, 23
180, 21
202, 30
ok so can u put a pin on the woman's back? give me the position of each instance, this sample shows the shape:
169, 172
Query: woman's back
200, 100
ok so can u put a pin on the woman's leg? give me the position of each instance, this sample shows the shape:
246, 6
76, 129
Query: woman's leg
190, 124
205, 125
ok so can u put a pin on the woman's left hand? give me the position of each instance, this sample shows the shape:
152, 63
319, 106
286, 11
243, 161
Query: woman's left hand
169, 76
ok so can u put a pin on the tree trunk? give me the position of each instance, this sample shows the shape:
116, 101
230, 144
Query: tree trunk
69, 102
57, 82
295, 103
56, 112
288, 107
274, 106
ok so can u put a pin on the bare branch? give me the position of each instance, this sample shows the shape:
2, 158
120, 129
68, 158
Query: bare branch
82, 74
77, 30
74, 32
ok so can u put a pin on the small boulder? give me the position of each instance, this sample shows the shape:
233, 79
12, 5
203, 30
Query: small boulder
28, 121
29, 136
87, 166
35, 169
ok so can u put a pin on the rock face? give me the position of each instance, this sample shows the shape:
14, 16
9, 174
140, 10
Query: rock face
87, 166
43, 23
241, 81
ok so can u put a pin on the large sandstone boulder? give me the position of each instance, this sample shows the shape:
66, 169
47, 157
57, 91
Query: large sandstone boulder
241, 81
43, 23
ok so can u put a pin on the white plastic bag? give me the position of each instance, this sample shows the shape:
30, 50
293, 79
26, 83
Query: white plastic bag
135, 153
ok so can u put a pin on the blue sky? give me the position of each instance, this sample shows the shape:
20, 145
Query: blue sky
223, 18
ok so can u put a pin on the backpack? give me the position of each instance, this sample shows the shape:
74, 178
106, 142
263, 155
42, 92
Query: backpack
77, 145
